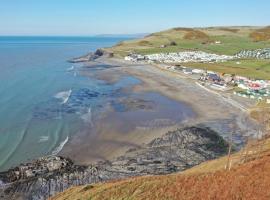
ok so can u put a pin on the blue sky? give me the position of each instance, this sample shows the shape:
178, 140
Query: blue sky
88, 17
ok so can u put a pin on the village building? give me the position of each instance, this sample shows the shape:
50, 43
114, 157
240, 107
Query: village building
214, 78
188, 56
134, 57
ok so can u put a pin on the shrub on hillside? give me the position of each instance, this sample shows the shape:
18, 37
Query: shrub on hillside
144, 43
196, 35
261, 34
173, 43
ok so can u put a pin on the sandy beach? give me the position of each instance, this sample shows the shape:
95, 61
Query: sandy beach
115, 132
208, 105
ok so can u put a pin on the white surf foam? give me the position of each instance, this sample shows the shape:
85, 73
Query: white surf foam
43, 139
64, 96
70, 69
60, 147
87, 117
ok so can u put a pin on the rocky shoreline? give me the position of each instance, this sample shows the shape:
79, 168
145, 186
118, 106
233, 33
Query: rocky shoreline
92, 56
173, 152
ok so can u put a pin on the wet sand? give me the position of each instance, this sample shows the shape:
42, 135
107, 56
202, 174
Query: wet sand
163, 101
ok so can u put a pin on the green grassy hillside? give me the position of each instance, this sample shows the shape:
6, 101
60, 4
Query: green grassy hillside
233, 39
219, 40
251, 68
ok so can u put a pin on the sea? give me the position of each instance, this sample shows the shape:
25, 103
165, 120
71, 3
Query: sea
43, 98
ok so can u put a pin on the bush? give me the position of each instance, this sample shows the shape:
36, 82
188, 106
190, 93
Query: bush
173, 43
195, 34
144, 43
261, 34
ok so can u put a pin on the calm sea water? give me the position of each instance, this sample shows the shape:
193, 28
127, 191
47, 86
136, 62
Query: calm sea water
43, 100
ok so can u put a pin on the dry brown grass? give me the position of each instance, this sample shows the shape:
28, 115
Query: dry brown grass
248, 178
248, 181
262, 34
196, 35
261, 114
252, 150
144, 43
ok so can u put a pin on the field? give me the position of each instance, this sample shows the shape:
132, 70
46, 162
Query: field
232, 40
258, 69
218, 40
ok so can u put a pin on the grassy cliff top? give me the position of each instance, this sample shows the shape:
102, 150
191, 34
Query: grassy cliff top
248, 178
232, 40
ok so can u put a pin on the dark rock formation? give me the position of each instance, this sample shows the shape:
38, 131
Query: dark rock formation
92, 56
175, 151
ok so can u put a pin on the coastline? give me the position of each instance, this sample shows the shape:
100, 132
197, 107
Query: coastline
212, 116
173, 152
211, 109
208, 105
220, 112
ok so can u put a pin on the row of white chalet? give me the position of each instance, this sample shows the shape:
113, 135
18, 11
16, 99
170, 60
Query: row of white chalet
180, 57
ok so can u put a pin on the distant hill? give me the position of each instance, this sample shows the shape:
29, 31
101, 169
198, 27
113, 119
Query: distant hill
138, 35
220, 40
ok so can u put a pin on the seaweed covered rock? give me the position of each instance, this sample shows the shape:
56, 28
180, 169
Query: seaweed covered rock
92, 56
175, 151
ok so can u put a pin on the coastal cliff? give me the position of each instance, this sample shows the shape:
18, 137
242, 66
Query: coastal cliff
175, 151
92, 56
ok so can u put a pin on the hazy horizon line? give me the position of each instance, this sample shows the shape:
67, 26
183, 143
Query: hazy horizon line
98, 35
121, 34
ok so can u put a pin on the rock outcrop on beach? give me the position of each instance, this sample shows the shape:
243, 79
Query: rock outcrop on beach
246, 180
173, 152
92, 56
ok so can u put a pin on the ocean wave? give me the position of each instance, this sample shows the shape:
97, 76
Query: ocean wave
43, 139
15, 146
70, 68
60, 147
64, 96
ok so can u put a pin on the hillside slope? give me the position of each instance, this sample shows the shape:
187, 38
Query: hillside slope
244, 181
217, 40
220, 40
